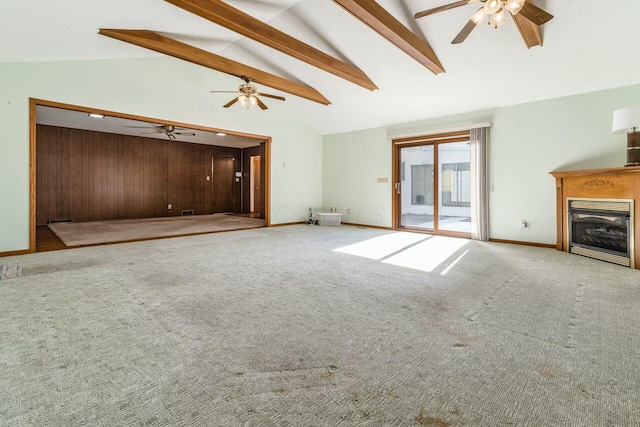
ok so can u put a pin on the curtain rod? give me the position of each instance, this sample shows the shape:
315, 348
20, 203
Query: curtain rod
427, 132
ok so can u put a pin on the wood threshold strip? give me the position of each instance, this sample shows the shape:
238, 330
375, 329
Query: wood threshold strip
235, 20
168, 46
381, 21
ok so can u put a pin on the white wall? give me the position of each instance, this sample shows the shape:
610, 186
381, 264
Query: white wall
526, 143
159, 88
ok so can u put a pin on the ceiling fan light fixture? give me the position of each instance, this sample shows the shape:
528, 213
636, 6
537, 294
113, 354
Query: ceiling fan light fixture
243, 100
479, 16
492, 6
499, 18
253, 100
514, 6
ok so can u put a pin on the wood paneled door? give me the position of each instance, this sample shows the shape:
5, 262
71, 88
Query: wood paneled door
224, 184
256, 190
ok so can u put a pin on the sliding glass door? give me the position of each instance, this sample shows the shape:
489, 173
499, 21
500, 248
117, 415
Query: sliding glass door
417, 187
433, 185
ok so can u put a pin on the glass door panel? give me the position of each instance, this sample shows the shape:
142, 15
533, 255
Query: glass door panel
454, 192
417, 187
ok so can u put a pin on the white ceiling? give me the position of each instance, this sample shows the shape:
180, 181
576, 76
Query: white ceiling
122, 126
590, 45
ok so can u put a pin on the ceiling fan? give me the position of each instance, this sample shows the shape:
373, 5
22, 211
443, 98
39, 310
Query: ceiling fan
170, 131
248, 95
525, 13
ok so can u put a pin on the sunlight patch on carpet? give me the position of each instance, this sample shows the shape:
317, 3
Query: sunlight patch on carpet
383, 246
427, 255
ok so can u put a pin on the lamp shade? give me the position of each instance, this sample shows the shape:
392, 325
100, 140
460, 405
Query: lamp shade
626, 119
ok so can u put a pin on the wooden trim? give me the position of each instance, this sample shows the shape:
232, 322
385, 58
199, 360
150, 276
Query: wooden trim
439, 137
284, 224
267, 182
519, 242
233, 19
14, 253
396, 180
377, 227
603, 171
168, 46
560, 216
385, 24
32, 175
439, 131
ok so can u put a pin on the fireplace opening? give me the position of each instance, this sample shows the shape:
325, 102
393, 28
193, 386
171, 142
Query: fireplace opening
602, 229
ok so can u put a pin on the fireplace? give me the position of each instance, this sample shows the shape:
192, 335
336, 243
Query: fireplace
601, 229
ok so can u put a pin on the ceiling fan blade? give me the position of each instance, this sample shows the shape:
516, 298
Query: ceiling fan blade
261, 104
464, 33
440, 9
223, 91
230, 103
280, 98
534, 14
529, 31
185, 133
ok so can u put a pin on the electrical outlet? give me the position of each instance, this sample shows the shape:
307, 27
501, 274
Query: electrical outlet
348, 211
168, 206
524, 224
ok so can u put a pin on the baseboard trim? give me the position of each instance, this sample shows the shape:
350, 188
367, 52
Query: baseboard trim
379, 227
519, 242
284, 224
13, 253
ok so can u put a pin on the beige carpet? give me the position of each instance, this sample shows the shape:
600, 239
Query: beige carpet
308, 326
97, 232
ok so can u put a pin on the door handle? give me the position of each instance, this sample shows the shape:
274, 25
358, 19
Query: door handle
397, 188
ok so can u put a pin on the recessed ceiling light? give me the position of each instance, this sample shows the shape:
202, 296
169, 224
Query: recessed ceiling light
96, 115
221, 134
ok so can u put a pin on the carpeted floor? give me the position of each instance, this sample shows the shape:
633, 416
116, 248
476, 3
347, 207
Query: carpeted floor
319, 326
97, 232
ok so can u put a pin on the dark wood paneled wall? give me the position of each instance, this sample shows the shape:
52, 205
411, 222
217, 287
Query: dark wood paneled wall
90, 176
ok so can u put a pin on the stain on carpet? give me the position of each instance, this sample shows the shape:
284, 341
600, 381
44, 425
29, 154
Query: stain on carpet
424, 420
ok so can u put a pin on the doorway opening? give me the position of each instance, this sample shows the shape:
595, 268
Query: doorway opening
122, 167
432, 184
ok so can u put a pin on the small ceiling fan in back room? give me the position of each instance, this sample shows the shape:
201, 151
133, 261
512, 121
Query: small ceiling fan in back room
527, 16
171, 133
248, 95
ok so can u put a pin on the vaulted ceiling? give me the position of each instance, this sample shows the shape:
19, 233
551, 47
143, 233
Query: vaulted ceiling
586, 47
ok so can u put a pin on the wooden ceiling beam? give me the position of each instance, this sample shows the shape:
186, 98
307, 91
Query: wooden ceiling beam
168, 46
233, 19
381, 21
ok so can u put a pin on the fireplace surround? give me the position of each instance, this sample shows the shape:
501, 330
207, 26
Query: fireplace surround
602, 202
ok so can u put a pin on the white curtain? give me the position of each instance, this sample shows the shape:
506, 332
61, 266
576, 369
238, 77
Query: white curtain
479, 184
